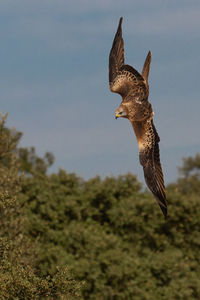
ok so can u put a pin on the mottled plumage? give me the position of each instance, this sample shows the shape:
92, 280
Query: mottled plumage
134, 89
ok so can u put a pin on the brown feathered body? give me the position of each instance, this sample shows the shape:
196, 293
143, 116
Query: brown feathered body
134, 89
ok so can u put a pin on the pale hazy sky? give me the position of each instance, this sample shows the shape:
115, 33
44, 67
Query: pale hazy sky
54, 79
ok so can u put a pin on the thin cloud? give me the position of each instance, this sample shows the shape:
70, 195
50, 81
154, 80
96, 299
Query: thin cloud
52, 23
181, 21
54, 78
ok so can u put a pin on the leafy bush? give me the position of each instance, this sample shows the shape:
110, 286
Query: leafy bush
19, 273
112, 235
108, 233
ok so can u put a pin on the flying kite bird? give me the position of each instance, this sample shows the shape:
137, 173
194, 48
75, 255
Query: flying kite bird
134, 89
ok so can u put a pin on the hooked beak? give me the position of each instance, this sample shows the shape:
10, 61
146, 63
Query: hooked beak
117, 116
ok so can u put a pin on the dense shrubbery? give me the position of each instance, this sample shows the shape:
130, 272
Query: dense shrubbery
20, 277
108, 233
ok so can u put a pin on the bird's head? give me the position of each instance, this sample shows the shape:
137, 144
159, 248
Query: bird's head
121, 111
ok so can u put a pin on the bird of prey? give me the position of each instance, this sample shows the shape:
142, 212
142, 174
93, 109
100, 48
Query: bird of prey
134, 90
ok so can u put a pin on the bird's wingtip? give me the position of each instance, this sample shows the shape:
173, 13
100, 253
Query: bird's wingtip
149, 54
164, 211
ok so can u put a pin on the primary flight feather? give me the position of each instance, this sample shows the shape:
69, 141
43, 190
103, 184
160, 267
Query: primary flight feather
134, 89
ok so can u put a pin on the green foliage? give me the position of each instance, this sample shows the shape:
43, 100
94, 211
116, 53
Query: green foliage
32, 164
107, 233
191, 164
19, 273
112, 235
190, 171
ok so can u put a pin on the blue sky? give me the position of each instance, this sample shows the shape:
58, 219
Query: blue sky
54, 79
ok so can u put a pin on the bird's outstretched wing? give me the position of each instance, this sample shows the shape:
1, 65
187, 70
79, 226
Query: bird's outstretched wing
146, 67
122, 78
148, 140
116, 58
